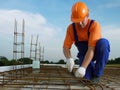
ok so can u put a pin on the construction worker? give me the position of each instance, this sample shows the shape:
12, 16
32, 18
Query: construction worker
93, 50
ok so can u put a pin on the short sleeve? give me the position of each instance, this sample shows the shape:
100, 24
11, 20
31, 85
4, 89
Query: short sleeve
69, 38
95, 34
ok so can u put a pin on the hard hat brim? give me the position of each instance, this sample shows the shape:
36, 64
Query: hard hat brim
76, 19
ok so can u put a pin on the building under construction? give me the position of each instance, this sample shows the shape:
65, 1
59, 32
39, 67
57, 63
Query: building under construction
46, 76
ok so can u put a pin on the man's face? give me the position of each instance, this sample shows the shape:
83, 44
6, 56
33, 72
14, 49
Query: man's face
84, 22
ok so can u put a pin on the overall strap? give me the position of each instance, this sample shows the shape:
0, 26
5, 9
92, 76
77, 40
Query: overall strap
75, 31
89, 27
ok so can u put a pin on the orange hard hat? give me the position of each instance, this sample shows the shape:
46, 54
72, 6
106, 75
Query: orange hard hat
79, 12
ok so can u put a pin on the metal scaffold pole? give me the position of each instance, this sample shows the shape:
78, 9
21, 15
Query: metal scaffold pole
39, 52
14, 44
36, 48
42, 54
23, 38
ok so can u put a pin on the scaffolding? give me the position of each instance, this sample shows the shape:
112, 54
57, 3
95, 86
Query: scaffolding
33, 48
18, 46
36, 51
18, 49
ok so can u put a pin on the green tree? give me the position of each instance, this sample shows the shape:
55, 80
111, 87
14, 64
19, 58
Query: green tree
114, 61
4, 61
61, 62
25, 61
46, 62
1, 63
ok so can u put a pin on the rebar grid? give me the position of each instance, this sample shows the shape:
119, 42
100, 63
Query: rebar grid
46, 78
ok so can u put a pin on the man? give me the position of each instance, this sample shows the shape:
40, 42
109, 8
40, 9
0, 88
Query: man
93, 49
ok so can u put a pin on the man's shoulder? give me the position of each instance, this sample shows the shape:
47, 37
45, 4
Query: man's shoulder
70, 26
95, 22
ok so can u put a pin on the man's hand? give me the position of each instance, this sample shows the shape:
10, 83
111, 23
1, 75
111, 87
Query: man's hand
80, 72
70, 64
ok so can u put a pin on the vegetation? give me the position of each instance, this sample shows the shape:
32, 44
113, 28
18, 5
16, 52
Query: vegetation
5, 62
114, 61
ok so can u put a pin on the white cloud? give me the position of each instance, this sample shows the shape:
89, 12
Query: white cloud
112, 33
35, 24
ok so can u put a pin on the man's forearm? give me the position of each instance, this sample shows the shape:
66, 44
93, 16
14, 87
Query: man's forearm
88, 57
67, 52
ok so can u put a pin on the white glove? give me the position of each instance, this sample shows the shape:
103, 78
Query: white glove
70, 64
80, 72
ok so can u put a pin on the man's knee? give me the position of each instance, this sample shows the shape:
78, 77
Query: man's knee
103, 44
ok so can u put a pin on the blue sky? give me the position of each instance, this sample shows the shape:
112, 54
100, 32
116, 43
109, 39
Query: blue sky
49, 19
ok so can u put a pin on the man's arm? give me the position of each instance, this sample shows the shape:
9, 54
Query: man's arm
67, 53
69, 60
80, 72
88, 57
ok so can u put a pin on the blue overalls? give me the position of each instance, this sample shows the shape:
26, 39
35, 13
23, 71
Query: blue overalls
101, 54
